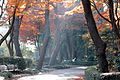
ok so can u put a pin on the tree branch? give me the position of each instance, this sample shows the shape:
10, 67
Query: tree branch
10, 29
100, 13
73, 6
116, 11
2, 9
5, 39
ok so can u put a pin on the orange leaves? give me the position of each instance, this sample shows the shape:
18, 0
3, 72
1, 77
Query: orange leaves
56, 0
21, 5
78, 9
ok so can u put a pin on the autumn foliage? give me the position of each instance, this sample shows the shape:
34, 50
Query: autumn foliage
33, 12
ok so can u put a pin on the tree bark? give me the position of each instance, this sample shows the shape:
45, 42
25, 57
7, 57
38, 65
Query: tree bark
45, 41
16, 37
99, 43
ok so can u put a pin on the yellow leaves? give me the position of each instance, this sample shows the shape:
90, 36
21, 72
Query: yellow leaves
85, 35
21, 5
75, 10
57, 0
114, 52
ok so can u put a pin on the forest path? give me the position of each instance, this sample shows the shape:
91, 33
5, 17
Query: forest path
63, 74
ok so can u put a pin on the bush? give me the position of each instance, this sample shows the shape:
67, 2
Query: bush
28, 62
30, 71
110, 76
91, 73
19, 62
91, 58
61, 66
79, 62
7, 75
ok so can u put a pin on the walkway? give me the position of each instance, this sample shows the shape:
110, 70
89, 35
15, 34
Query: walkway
62, 74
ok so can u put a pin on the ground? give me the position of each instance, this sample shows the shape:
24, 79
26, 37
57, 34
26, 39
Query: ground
76, 73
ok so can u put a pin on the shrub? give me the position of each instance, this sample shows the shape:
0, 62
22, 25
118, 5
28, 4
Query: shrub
110, 76
7, 75
61, 66
30, 71
19, 62
28, 62
79, 62
91, 58
92, 74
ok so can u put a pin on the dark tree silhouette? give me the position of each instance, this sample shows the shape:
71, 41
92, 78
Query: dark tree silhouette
99, 43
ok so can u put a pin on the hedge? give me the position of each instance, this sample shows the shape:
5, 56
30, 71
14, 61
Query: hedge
91, 73
79, 62
21, 63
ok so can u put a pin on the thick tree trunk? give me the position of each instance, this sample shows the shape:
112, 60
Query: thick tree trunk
16, 37
99, 43
45, 41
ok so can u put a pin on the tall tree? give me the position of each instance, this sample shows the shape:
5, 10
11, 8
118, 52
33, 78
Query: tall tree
46, 38
16, 36
58, 21
99, 43
57, 38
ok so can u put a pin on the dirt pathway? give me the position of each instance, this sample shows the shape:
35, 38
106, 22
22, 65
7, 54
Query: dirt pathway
62, 74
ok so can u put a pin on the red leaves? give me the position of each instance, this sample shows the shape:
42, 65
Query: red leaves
81, 77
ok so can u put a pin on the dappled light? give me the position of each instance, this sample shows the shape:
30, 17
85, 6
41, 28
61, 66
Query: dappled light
59, 39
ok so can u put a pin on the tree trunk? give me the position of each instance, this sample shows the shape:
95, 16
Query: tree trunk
9, 45
99, 43
57, 42
45, 41
16, 37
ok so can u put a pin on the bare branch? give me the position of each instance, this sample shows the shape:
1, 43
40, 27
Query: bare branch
94, 5
116, 11
2, 9
10, 29
73, 6
5, 39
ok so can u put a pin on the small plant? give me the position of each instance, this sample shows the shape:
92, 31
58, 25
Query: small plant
21, 64
7, 75
30, 71
61, 66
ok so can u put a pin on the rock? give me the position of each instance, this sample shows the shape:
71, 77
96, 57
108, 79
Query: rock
2, 78
3, 67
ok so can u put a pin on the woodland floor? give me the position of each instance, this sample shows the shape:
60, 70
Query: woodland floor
76, 73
